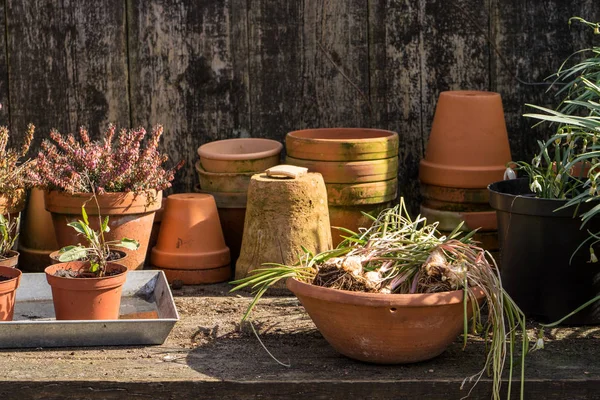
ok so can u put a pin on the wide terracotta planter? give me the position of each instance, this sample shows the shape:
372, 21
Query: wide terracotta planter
8, 291
190, 245
37, 238
468, 145
342, 144
226, 182
351, 171
384, 328
345, 194
239, 155
131, 216
11, 260
86, 298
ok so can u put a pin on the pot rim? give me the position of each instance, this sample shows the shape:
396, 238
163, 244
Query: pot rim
110, 203
271, 148
525, 203
74, 264
379, 299
54, 255
7, 283
376, 135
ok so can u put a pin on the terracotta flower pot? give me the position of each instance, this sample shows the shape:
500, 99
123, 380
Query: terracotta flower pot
351, 171
468, 145
384, 328
341, 194
223, 182
131, 216
190, 245
11, 261
54, 257
37, 238
86, 298
342, 144
240, 155
8, 291
448, 220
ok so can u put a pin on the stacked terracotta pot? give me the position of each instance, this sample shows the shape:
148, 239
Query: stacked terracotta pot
467, 150
359, 167
224, 170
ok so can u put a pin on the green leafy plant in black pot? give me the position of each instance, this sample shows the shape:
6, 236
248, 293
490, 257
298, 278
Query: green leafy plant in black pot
548, 221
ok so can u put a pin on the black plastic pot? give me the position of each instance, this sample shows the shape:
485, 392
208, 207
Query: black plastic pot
536, 246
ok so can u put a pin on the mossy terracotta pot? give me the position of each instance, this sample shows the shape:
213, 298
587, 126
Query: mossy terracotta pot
485, 221
351, 171
384, 328
86, 298
346, 194
8, 291
468, 145
240, 155
342, 144
223, 182
190, 245
11, 260
37, 238
131, 216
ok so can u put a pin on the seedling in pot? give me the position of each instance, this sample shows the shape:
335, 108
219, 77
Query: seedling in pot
7, 239
98, 250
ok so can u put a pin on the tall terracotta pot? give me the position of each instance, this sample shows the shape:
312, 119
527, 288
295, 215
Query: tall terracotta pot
8, 291
468, 145
37, 238
190, 245
131, 216
384, 328
86, 298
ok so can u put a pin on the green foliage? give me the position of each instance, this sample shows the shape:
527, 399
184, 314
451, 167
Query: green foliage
8, 234
97, 250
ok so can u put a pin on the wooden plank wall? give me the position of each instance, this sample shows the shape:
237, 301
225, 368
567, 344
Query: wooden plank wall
211, 70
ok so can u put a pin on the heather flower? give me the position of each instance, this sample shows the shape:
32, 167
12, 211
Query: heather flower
14, 171
119, 162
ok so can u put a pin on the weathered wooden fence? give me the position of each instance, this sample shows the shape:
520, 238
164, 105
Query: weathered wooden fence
215, 69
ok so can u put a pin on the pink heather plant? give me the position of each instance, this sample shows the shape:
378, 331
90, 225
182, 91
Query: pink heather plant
114, 164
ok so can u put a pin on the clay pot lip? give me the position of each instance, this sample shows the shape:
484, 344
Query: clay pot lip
12, 254
469, 93
202, 171
54, 256
110, 203
344, 135
191, 197
379, 299
97, 283
15, 275
223, 149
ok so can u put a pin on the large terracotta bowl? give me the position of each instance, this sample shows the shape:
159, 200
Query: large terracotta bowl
384, 328
239, 155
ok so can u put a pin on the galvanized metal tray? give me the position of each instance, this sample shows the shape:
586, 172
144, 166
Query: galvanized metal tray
147, 316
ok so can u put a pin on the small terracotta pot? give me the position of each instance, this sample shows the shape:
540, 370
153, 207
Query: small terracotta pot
37, 238
131, 216
86, 298
240, 155
54, 257
8, 291
13, 205
342, 144
227, 182
11, 261
351, 171
346, 194
352, 218
190, 245
384, 328
468, 145
448, 220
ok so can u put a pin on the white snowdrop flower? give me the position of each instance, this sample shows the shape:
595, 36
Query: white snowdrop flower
509, 173
535, 187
